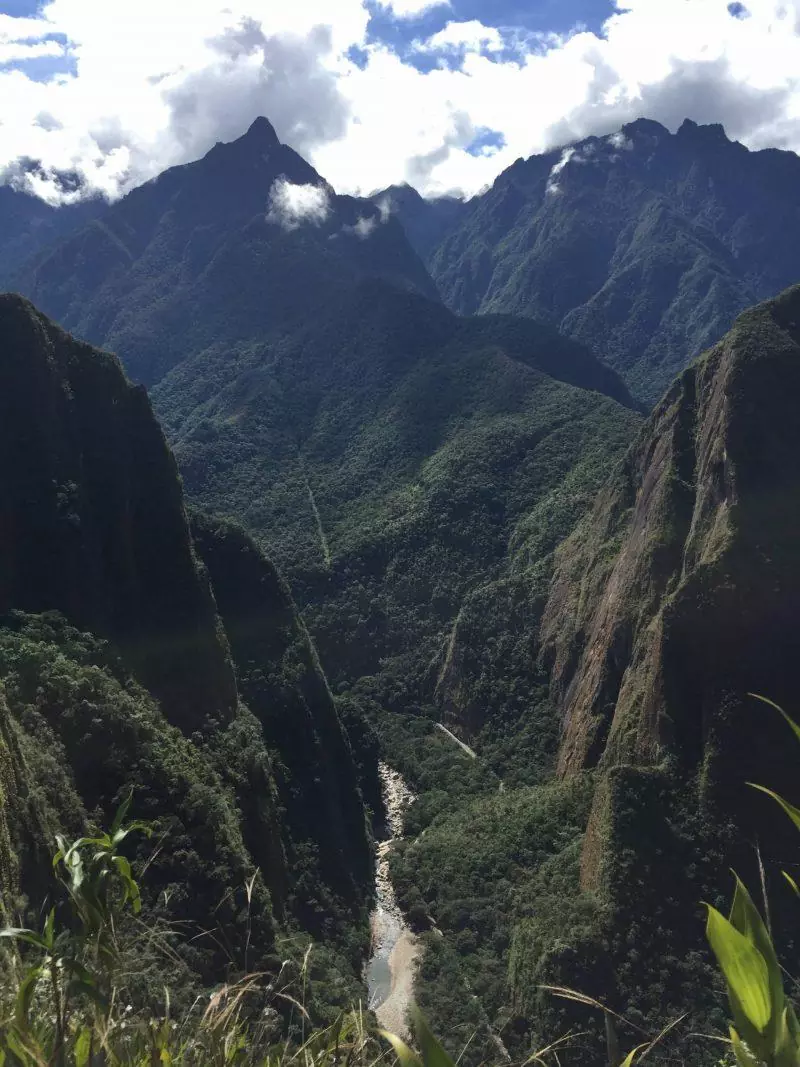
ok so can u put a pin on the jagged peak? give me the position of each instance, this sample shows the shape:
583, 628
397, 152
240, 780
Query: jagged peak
713, 131
262, 130
645, 127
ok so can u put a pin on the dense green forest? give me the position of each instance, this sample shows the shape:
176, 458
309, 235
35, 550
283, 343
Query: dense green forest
369, 527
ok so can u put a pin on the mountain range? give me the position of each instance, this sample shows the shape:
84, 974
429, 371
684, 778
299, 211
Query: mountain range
422, 490
644, 245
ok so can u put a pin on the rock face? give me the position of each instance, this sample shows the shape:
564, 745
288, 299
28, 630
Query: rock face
644, 245
91, 516
116, 669
676, 596
673, 599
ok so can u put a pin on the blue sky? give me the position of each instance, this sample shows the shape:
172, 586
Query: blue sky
538, 16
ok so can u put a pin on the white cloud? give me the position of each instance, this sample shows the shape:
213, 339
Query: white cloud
406, 9
290, 206
552, 181
619, 141
472, 35
364, 227
153, 83
20, 51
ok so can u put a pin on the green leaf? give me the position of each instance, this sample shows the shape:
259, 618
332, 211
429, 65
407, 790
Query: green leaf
49, 929
744, 1057
632, 1055
778, 708
16, 933
433, 1055
22, 1006
122, 812
83, 1046
790, 809
744, 968
746, 918
792, 883
406, 1057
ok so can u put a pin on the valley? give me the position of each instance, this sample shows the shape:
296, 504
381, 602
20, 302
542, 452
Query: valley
413, 562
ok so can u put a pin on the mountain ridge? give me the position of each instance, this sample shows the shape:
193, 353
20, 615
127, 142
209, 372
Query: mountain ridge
644, 245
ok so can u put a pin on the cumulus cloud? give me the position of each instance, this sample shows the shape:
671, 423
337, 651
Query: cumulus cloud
290, 206
151, 83
363, 227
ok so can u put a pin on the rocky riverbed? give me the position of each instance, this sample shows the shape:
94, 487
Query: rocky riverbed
391, 968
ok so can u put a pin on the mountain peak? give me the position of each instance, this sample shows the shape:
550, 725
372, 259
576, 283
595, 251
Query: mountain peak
713, 131
645, 127
263, 131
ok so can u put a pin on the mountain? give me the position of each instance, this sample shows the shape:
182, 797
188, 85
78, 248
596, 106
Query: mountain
387, 454
132, 654
238, 244
425, 221
28, 225
384, 455
633, 647
644, 245
315, 389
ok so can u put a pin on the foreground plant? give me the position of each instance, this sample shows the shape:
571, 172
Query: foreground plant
65, 1008
65, 997
765, 1029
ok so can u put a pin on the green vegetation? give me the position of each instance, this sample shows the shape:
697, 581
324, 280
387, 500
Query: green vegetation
117, 667
645, 248
71, 992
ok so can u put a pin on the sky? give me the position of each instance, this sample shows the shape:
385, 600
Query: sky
444, 94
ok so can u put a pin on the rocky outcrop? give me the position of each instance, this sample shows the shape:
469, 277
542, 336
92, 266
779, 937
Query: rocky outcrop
679, 593
673, 599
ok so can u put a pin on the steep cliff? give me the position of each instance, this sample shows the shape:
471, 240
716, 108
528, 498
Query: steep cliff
91, 516
610, 678
674, 599
116, 670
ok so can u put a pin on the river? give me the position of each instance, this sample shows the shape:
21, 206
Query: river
389, 974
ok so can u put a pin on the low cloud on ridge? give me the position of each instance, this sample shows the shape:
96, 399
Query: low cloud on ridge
290, 206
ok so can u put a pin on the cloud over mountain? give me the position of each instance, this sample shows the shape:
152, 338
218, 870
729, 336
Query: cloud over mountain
145, 86
292, 205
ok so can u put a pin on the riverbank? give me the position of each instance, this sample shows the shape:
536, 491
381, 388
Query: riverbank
392, 966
